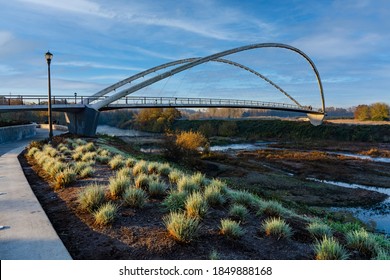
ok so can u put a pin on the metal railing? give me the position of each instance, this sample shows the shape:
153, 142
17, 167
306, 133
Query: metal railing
134, 102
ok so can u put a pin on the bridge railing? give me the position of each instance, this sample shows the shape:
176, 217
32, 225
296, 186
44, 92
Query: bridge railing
42, 100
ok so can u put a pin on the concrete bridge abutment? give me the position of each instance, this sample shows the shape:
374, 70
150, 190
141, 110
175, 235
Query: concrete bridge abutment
83, 122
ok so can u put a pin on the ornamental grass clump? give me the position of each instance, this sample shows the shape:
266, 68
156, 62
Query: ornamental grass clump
175, 175
152, 167
105, 214
362, 241
142, 181
103, 159
195, 205
141, 167
329, 249
134, 197
175, 201
87, 172
91, 197
276, 227
88, 156
273, 208
164, 169
77, 155
116, 162
157, 188
238, 212
65, 178
117, 185
231, 228
130, 162
187, 184
31, 152
49, 150
213, 195
199, 179
55, 168
181, 227
125, 172
242, 197
319, 230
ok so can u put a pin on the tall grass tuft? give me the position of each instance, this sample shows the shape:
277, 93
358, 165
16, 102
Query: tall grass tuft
187, 184
105, 214
277, 227
231, 228
213, 195
31, 152
175, 175
130, 162
181, 227
175, 201
319, 230
362, 241
116, 162
87, 172
195, 205
65, 178
238, 212
91, 197
140, 167
142, 181
199, 179
134, 197
330, 249
157, 188
242, 197
274, 209
164, 169
103, 159
117, 185
88, 156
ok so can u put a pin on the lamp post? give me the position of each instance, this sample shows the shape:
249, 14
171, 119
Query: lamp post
48, 57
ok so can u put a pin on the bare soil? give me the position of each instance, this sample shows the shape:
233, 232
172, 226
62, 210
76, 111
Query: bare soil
140, 234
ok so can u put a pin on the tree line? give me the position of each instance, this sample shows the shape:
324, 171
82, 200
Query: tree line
374, 112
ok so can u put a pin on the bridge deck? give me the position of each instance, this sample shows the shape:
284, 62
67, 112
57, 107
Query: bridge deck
76, 103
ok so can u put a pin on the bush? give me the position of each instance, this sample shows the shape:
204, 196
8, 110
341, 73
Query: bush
117, 185
238, 212
362, 241
175, 201
319, 230
181, 227
329, 249
190, 140
105, 214
65, 178
135, 197
91, 197
195, 205
231, 228
277, 228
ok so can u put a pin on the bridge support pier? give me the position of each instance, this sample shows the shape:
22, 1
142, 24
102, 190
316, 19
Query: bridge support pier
84, 122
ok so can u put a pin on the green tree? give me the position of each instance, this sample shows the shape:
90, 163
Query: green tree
362, 113
379, 111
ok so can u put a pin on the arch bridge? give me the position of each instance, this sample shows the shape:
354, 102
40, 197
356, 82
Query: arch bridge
82, 113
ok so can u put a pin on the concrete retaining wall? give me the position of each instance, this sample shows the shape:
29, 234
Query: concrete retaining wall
17, 132
55, 127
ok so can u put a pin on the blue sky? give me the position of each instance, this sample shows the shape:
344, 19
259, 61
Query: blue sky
97, 43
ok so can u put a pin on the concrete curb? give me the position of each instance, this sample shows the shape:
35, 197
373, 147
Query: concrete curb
25, 231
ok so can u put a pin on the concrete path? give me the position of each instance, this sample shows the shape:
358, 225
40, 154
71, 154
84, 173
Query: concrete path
25, 231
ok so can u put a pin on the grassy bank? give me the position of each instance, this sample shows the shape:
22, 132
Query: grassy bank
287, 130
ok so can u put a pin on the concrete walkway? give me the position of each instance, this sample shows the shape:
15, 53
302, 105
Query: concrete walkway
25, 231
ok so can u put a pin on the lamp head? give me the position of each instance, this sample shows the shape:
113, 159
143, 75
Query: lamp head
48, 57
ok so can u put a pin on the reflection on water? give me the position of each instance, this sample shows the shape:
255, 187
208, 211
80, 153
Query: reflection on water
379, 214
247, 147
376, 159
113, 131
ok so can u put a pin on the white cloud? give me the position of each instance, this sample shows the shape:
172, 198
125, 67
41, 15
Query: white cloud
98, 65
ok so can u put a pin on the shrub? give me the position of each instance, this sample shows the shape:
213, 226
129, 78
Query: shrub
105, 214
195, 205
181, 227
319, 230
116, 162
213, 195
238, 212
117, 185
175, 201
65, 178
91, 197
329, 249
135, 197
190, 140
187, 184
157, 188
362, 241
277, 228
231, 228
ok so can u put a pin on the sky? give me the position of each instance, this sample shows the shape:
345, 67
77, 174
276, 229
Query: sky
96, 43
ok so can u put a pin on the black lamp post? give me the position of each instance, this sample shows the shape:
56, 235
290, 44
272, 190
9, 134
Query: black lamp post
48, 57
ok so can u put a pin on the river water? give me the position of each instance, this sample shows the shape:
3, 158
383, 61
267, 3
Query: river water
378, 215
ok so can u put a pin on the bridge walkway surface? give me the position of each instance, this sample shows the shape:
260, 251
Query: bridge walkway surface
25, 231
